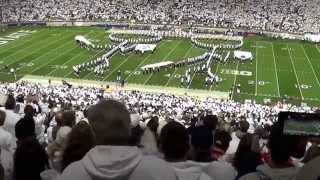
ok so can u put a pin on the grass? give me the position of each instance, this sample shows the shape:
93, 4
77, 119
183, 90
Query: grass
281, 70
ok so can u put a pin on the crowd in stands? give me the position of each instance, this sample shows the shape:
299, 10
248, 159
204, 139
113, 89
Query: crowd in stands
295, 16
80, 133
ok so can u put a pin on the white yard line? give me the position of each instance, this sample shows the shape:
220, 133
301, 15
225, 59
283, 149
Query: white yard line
48, 44
71, 59
234, 82
115, 69
165, 58
275, 68
191, 80
174, 72
256, 88
215, 73
83, 62
294, 70
45, 64
305, 53
139, 65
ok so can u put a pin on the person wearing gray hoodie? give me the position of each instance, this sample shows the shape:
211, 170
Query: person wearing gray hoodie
282, 147
112, 157
174, 143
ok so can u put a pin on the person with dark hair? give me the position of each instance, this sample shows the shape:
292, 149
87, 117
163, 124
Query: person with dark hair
201, 140
247, 157
19, 104
55, 149
25, 128
79, 141
30, 159
113, 158
220, 145
174, 143
282, 147
11, 117
149, 139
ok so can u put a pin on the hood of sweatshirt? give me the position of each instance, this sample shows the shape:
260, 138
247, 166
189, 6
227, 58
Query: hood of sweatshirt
190, 170
111, 162
278, 174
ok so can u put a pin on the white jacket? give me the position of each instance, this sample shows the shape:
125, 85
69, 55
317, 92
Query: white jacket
118, 163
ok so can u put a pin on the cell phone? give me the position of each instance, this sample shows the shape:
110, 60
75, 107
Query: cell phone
303, 124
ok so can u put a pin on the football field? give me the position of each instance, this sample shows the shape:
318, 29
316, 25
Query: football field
281, 69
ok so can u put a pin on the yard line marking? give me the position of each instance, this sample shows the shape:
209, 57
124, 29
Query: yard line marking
71, 59
114, 70
39, 50
94, 56
139, 65
256, 88
24, 42
215, 74
59, 47
191, 80
294, 70
275, 67
23, 49
235, 81
165, 58
174, 72
305, 53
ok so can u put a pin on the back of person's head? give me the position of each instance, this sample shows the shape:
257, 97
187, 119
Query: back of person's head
244, 126
25, 128
10, 103
110, 122
221, 144
68, 118
153, 124
29, 111
136, 134
201, 140
58, 118
283, 146
79, 141
2, 117
30, 159
174, 141
247, 153
20, 98
210, 121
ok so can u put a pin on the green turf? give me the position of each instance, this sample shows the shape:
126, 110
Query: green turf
281, 69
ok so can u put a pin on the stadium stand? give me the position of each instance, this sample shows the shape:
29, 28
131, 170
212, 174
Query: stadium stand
133, 129
70, 132
296, 16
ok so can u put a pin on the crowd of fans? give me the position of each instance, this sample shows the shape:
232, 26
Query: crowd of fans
296, 16
81, 133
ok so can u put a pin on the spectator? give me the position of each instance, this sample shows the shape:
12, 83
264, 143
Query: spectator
281, 147
79, 141
7, 148
236, 136
221, 144
30, 159
112, 158
174, 141
11, 117
247, 156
